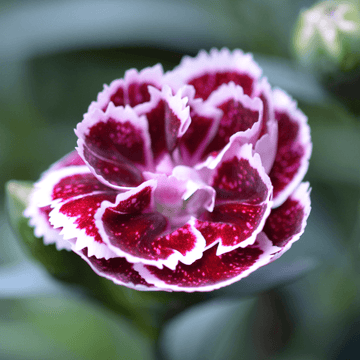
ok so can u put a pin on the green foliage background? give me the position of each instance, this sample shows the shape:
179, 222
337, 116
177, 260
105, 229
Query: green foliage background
54, 58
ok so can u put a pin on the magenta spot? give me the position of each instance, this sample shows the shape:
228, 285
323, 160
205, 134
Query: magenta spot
236, 118
284, 222
77, 184
207, 83
210, 269
236, 179
289, 154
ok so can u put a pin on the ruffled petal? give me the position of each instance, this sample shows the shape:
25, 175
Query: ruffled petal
39, 215
294, 147
132, 90
266, 145
287, 223
241, 115
205, 119
40, 220
243, 199
134, 229
119, 270
74, 194
76, 218
211, 272
168, 118
207, 71
115, 145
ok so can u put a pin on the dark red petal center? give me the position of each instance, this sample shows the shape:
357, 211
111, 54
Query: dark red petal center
207, 83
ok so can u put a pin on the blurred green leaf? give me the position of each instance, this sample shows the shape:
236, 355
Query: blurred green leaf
60, 264
62, 86
213, 331
60, 328
336, 139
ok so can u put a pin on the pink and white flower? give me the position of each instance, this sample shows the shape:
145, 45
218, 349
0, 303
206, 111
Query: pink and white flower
184, 181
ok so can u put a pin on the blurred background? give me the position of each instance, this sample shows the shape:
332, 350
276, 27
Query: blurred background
55, 57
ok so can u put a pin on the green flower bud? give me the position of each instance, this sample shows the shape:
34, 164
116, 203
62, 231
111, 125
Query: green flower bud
327, 36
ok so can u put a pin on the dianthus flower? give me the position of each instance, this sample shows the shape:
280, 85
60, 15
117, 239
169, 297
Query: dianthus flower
187, 180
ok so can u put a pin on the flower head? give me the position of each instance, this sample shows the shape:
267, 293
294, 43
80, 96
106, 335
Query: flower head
185, 181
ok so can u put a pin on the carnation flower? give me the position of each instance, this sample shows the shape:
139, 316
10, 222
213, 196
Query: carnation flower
182, 181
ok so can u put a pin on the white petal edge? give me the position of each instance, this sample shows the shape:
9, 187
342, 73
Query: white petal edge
284, 103
152, 75
121, 114
265, 258
214, 61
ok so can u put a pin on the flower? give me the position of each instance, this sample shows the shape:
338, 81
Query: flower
183, 181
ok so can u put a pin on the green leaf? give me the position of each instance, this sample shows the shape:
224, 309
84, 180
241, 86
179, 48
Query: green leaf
60, 264
60, 328
213, 331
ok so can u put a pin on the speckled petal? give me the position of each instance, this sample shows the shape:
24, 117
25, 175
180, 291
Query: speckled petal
211, 272
243, 199
132, 90
168, 119
241, 115
115, 145
207, 71
134, 229
74, 194
287, 223
118, 270
39, 215
294, 147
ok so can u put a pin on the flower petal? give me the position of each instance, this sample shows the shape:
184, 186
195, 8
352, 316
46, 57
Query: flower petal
40, 220
241, 115
76, 218
39, 215
168, 118
206, 72
132, 90
211, 272
286, 223
74, 193
71, 159
294, 147
243, 199
205, 119
119, 270
115, 145
134, 229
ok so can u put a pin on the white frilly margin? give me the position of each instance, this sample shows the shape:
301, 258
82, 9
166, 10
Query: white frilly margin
284, 103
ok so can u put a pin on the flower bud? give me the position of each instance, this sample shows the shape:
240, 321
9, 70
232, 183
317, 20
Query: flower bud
327, 36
